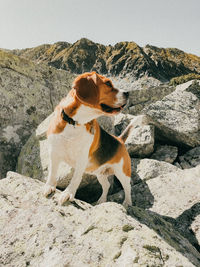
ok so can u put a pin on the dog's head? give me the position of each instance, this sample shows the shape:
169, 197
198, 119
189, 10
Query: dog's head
97, 91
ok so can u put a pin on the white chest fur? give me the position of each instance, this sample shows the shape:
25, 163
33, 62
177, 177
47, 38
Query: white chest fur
85, 114
72, 144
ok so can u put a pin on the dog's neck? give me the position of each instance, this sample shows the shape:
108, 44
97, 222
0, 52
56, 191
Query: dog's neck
85, 114
77, 112
68, 119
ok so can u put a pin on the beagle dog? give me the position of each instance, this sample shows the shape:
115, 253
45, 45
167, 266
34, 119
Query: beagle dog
75, 137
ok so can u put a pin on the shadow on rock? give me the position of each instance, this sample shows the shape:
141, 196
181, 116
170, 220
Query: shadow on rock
166, 230
184, 222
140, 193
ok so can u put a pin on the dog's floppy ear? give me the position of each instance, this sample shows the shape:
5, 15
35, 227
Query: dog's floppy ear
87, 89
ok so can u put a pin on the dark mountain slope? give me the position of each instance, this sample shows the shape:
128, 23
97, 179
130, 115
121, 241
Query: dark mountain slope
123, 59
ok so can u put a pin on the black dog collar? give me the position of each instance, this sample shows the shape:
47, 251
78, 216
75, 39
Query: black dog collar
68, 119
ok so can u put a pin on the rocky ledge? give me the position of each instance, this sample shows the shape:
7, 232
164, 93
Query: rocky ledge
36, 231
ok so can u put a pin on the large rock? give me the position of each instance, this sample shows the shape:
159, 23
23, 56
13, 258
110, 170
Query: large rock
28, 93
177, 115
170, 192
107, 123
176, 198
175, 191
142, 171
142, 97
36, 231
121, 121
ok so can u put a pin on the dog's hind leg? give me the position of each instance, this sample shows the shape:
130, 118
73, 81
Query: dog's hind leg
126, 184
103, 180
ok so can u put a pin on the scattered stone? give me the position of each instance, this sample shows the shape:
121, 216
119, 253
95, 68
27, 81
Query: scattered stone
190, 159
140, 141
165, 153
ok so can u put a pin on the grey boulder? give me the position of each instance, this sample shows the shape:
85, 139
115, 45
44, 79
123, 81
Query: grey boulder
140, 141
177, 115
28, 93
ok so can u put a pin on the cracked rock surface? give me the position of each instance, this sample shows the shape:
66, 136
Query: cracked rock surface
28, 93
36, 231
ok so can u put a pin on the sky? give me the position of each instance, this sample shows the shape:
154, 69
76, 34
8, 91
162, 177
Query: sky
162, 23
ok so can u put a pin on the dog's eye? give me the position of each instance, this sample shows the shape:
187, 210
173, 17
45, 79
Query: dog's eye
108, 83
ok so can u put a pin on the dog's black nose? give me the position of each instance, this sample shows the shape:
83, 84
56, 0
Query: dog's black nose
126, 94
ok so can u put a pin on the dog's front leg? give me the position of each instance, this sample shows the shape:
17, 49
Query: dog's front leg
70, 191
51, 182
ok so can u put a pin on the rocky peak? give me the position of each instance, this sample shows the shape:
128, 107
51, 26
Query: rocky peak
124, 59
173, 62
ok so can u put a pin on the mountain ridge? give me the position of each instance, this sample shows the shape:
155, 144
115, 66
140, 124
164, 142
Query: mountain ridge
122, 59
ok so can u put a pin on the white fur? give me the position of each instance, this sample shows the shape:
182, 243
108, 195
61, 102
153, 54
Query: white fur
125, 182
85, 114
104, 171
72, 146
66, 147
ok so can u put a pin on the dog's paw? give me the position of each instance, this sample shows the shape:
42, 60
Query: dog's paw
101, 200
48, 189
65, 196
126, 204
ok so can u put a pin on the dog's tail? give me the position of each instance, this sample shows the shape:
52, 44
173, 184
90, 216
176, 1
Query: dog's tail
124, 135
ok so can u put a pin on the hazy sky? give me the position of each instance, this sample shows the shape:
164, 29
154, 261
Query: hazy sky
163, 23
